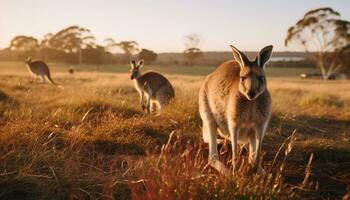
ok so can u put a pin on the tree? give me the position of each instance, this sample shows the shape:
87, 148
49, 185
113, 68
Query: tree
129, 47
324, 37
45, 42
73, 40
72, 44
192, 54
192, 51
94, 55
24, 43
110, 48
110, 45
148, 55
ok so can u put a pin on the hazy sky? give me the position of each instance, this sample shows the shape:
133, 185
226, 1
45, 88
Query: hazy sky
161, 24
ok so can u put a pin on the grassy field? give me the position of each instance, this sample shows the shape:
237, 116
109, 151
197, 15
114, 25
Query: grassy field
88, 138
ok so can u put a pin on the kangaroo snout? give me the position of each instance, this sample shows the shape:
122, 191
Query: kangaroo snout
134, 75
251, 94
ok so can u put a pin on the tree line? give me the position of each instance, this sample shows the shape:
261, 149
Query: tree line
76, 44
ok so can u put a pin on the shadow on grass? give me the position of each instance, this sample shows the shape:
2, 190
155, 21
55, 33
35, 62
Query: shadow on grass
309, 125
322, 136
3, 96
110, 147
156, 134
6, 103
94, 111
17, 190
123, 192
319, 135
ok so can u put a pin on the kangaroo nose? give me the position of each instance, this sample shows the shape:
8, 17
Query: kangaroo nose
251, 94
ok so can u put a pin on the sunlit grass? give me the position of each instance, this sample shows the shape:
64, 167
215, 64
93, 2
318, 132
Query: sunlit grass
89, 138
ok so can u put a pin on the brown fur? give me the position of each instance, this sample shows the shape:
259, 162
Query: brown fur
39, 68
155, 81
226, 103
153, 85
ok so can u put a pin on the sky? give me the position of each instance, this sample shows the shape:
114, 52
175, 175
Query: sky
161, 25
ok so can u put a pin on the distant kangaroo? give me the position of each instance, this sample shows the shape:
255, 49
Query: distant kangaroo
234, 100
38, 68
152, 85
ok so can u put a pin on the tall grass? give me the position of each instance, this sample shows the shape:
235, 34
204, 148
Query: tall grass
181, 172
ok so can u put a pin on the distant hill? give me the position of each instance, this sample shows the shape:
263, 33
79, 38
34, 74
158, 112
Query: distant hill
212, 57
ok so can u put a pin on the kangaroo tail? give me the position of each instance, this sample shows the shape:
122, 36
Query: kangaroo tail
50, 79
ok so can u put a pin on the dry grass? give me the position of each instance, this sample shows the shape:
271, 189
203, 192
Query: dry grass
182, 172
88, 138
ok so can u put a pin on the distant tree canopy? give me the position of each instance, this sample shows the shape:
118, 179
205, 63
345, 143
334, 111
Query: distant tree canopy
192, 51
192, 54
129, 47
73, 44
148, 55
325, 38
24, 43
110, 44
72, 39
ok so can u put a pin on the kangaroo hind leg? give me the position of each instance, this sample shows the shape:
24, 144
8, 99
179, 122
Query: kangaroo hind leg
209, 132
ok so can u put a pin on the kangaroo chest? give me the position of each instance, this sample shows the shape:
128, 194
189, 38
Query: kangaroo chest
137, 85
142, 87
245, 114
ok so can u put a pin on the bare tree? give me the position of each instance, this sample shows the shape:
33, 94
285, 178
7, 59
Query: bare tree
192, 43
323, 35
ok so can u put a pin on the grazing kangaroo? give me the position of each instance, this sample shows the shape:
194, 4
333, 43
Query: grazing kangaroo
38, 68
152, 85
234, 100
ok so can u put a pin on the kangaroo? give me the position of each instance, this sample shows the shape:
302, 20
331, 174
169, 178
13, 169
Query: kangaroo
152, 85
235, 103
38, 68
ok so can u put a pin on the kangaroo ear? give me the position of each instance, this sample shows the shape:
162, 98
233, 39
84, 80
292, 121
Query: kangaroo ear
133, 64
264, 55
140, 64
239, 56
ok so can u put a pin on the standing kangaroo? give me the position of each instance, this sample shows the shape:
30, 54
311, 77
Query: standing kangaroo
154, 86
38, 68
234, 100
